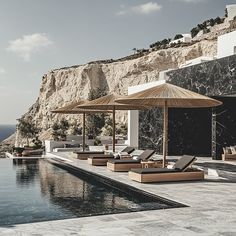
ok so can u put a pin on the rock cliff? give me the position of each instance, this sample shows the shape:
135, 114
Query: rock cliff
64, 85
61, 86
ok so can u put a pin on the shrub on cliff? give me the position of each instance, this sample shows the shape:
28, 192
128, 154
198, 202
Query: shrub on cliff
178, 36
205, 24
160, 44
28, 129
122, 129
95, 122
107, 128
59, 129
75, 128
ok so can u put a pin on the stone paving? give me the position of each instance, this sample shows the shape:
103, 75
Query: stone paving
211, 211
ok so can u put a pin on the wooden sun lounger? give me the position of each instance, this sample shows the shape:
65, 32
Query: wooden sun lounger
102, 159
83, 155
180, 171
126, 165
229, 154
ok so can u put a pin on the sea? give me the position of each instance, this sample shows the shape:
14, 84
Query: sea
6, 131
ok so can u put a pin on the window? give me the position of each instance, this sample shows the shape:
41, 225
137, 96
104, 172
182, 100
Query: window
234, 49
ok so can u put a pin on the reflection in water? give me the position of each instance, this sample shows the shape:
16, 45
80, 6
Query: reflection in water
83, 197
26, 171
77, 195
39, 191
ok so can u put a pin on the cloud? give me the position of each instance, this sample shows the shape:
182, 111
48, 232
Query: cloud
147, 8
143, 9
120, 13
2, 71
29, 44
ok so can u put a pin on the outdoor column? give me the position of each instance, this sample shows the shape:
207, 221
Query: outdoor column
165, 134
83, 131
133, 128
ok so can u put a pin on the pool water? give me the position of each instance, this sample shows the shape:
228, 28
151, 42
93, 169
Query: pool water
39, 191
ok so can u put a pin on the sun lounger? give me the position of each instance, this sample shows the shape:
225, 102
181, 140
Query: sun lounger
229, 153
70, 149
180, 171
83, 155
127, 164
102, 159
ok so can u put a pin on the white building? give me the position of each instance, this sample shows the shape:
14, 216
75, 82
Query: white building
226, 46
186, 39
231, 10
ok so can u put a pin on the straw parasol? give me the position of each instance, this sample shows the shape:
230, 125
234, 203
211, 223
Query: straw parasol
108, 103
71, 108
165, 96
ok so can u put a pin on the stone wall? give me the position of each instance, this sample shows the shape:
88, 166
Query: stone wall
190, 129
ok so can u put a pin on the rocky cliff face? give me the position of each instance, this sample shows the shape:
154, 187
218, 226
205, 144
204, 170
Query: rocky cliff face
61, 86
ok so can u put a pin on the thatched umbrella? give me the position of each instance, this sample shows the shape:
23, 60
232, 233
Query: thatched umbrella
108, 103
165, 96
71, 108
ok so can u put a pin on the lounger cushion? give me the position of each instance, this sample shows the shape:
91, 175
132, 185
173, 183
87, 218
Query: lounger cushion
183, 162
69, 145
146, 154
90, 152
153, 170
124, 161
101, 156
128, 150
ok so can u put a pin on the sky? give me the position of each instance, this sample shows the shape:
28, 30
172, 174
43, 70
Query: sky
37, 36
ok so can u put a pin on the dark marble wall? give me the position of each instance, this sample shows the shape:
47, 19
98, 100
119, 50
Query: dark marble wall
190, 130
150, 129
225, 124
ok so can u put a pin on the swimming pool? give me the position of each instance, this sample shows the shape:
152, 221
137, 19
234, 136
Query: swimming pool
39, 191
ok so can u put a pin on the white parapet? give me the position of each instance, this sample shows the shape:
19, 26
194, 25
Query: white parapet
51, 144
196, 61
133, 116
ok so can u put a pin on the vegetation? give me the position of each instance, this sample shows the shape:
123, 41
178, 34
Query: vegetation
60, 129
178, 36
97, 141
37, 142
226, 12
95, 122
122, 129
107, 128
160, 44
204, 26
28, 130
75, 128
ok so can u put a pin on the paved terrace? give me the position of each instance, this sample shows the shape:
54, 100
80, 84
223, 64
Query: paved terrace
211, 211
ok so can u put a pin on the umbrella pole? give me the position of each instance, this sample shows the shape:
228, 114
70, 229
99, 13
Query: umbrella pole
83, 131
165, 134
113, 128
